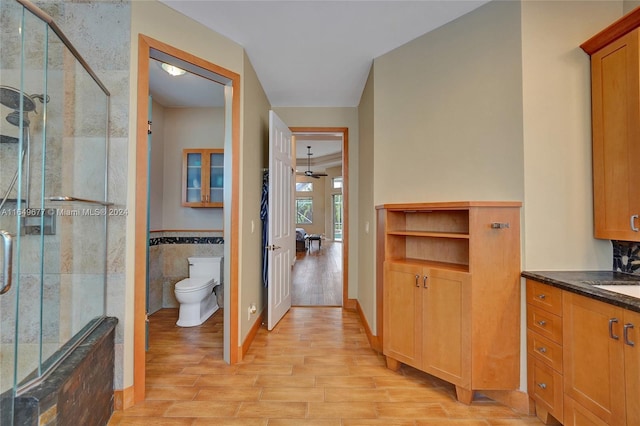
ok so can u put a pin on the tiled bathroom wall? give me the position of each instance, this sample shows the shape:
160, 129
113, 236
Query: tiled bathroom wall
168, 264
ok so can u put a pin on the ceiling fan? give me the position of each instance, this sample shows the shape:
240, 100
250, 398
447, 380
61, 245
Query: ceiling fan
308, 172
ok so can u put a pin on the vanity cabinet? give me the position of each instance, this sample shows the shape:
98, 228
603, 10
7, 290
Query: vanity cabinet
615, 103
587, 372
450, 289
202, 177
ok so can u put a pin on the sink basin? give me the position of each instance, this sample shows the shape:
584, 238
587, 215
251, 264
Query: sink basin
629, 290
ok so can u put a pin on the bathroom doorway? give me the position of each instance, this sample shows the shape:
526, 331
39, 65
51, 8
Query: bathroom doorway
168, 229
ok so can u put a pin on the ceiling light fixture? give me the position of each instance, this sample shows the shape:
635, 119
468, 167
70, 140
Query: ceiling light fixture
173, 70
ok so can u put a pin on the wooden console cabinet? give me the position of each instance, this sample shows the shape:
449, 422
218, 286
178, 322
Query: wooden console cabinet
451, 291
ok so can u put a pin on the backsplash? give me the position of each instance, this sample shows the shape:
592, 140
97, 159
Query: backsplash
168, 264
626, 256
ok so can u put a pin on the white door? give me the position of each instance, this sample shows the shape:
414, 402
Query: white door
281, 239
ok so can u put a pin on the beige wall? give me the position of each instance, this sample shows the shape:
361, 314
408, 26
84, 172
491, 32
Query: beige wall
188, 128
156, 173
335, 117
366, 232
448, 112
558, 212
255, 136
175, 129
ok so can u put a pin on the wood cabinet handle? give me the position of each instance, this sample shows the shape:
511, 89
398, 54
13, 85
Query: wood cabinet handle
424, 281
627, 326
611, 322
417, 280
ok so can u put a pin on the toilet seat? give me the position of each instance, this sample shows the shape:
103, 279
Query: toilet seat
193, 284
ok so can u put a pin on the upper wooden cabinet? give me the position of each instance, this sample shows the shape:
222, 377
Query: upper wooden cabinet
202, 177
451, 291
615, 97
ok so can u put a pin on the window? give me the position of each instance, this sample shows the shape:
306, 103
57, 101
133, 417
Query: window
304, 211
304, 186
337, 182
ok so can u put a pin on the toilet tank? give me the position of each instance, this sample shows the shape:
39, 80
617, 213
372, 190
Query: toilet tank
206, 267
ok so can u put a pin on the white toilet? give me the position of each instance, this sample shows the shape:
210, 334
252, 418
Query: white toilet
195, 294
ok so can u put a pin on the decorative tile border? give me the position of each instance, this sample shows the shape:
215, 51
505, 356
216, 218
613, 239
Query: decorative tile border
626, 256
185, 240
187, 237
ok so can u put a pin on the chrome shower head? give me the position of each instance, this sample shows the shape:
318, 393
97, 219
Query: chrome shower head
10, 97
14, 118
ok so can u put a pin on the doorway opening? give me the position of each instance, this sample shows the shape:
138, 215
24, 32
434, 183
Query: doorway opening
320, 273
149, 51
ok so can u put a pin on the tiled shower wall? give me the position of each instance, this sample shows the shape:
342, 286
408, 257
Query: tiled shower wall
626, 256
168, 264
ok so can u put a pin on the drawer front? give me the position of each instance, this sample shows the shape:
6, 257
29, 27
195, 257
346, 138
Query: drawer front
545, 297
545, 387
544, 350
544, 323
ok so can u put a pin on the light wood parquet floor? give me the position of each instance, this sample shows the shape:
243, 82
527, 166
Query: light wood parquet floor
316, 279
315, 368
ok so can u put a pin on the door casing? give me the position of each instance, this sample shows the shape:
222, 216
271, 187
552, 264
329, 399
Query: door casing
145, 44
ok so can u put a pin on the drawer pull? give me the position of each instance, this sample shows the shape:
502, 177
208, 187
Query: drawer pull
542, 386
542, 323
541, 296
424, 281
611, 322
417, 280
632, 221
542, 350
627, 326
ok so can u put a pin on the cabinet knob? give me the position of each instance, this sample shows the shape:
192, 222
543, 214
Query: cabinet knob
542, 385
611, 322
542, 350
627, 326
541, 296
632, 221
542, 323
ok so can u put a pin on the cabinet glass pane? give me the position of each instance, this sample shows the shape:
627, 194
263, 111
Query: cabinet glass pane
194, 160
193, 195
216, 195
216, 179
217, 160
194, 178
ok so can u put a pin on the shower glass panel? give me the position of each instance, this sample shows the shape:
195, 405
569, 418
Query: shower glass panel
53, 197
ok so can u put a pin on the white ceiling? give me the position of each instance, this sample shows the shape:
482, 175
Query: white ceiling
318, 53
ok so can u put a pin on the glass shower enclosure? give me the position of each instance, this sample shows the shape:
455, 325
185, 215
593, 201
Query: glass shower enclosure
54, 115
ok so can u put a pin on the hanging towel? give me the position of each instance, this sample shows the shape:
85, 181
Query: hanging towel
264, 215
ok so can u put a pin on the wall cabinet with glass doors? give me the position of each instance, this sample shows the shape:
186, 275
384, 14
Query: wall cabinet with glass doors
202, 177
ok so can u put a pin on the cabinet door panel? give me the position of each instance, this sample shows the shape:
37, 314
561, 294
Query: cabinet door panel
593, 362
615, 116
632, 367
446, 330
402, 310
576, 415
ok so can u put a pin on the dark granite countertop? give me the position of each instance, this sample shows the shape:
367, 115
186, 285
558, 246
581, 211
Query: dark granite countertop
582, 282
